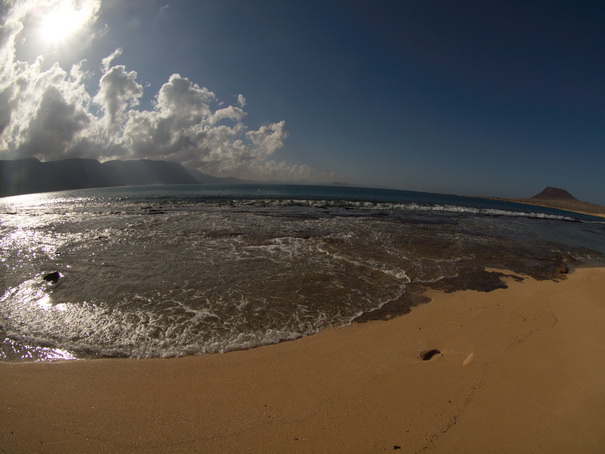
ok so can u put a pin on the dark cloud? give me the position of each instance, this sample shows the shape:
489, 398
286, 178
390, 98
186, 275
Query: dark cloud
51, 133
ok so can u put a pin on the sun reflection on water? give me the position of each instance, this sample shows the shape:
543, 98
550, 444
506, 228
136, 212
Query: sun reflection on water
14, 351
35, 299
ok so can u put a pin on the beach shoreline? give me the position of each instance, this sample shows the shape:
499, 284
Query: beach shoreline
518, 370
589, 209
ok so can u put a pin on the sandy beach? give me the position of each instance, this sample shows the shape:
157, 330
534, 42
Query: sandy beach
520, 370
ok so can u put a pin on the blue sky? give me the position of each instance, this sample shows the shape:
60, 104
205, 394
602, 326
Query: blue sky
472, 97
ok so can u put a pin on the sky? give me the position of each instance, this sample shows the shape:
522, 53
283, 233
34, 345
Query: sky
471, 97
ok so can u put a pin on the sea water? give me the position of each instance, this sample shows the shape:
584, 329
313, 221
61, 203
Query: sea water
164, 271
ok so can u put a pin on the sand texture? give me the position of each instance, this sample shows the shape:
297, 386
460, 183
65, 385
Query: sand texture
521, 370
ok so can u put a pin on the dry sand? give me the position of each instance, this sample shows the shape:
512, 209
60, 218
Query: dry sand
522, 370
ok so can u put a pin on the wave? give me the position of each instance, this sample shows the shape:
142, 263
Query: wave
388, 206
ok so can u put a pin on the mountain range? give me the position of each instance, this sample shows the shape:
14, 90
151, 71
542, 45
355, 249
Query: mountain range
26, 176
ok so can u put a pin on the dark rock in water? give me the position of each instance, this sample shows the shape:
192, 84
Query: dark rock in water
53, 277
428, 354
470, 278
400, 306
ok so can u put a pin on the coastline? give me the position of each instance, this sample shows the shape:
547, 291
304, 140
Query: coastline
520, 370
589, 209
580, 207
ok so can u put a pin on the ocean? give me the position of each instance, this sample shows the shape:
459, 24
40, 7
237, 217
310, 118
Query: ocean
166, 271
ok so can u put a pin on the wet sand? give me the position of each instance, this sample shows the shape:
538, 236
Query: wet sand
520, 370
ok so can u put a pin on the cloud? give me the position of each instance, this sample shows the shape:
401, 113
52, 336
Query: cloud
118, 91
106, 62
48, 112
186, 126
54, 127
163, 9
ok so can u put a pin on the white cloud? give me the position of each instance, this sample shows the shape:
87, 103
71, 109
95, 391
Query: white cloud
106, 62
118, 91
186, 127
163, 9
185, 100
47, 112
227, 113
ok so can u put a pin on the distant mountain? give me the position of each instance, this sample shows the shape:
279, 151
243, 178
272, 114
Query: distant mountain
26, 176
563, 200
209, 179
555, 194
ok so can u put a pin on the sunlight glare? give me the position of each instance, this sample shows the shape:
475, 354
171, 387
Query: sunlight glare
61, 22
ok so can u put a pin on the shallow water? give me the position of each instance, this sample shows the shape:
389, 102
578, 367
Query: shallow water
174, 270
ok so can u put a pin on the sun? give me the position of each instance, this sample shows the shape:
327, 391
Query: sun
61, 23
